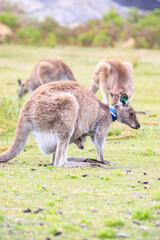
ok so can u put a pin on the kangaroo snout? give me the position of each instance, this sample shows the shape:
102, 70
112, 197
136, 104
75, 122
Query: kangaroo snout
81, 147
135, 126
138, 126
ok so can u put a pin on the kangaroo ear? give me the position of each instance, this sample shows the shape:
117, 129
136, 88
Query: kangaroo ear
129, 66
19, 82
123, 98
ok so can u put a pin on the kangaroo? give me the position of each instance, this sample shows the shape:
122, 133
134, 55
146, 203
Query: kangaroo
57, 114
49, 70
80, 141
113, 77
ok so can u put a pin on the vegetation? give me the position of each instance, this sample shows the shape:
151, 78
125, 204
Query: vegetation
142, 214
41, 202
8, 18
136, 31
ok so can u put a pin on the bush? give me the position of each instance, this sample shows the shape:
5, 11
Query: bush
8, 19
141, 42
110, 31
113, 18
102, 39
133, 15
29, 35
51, 40
48, 25
86, 38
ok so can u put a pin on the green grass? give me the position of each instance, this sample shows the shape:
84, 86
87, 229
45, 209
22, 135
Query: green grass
114, 222
142, 214
108, 200
156, 195
106, 233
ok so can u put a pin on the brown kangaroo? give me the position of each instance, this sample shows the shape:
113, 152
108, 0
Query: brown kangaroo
59, 113
49, 70
113, 77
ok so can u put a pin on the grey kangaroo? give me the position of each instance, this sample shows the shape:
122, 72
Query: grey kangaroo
59, 113
48, 70
113, 77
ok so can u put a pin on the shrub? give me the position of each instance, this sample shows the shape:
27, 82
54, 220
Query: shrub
51, 40
48, 25
102, 39
29, 35
113, 17
133, 15
111, 30
141, 42
86, 38
8, 19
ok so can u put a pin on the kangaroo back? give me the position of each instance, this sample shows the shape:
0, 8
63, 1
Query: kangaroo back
51, 70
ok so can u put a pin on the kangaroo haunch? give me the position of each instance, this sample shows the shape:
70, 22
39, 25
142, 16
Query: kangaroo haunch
58, 114
113, 77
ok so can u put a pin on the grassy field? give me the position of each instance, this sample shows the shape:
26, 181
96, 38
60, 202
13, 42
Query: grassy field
38, 201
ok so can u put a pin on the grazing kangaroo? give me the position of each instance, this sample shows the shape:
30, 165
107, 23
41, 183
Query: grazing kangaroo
49, 70
113, 77
59, 113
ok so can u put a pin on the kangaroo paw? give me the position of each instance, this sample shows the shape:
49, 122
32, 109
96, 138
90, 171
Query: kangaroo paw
92, 160
106, 162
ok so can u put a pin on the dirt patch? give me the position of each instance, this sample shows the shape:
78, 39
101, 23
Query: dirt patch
149, 123
124, 134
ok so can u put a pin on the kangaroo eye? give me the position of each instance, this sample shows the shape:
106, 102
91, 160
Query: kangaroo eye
79, 139
131, 114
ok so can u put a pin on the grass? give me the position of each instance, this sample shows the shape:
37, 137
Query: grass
107, 200
114, 222
106, 233
142, 214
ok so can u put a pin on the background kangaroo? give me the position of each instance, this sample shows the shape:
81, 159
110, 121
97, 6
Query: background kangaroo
112, 77
49, 70
57, 115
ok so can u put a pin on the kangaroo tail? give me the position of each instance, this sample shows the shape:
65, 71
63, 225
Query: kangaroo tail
103, 67
70, 75
22, 132
93, 88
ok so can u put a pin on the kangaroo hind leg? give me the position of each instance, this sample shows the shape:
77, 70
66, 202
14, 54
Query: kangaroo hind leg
98, 140
53, 158
61, 155
61, 151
